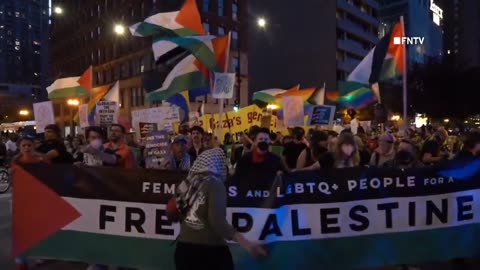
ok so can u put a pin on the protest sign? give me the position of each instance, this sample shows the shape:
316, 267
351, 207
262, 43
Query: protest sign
146, 128
293, 111
311, 216
107, 113
43, 112
223, 85
156, 148
83, 115
163, 116
321, 116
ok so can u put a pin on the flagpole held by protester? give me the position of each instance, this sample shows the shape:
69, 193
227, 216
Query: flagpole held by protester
405, 101
222, 100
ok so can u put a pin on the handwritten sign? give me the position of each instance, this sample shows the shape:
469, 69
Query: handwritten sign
83, 115
44, 116
146, 128
322, 116
293, 111
164, 116
107, 113
156, 148
223, 84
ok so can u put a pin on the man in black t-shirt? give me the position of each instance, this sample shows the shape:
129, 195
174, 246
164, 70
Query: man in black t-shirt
54, 148
293, 149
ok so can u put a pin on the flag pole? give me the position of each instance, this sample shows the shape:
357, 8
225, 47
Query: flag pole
405, 97
222, 100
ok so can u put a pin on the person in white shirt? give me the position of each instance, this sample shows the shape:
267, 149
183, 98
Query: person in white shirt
11, 144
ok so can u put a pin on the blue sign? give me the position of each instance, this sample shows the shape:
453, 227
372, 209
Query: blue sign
322, 115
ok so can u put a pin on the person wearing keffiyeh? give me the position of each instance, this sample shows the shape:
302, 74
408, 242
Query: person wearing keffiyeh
201, 201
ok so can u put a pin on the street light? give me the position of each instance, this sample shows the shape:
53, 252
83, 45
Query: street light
261, 22
23, 112
395, 117
58, 10
272, 107
119, 29
72, 103
446, 120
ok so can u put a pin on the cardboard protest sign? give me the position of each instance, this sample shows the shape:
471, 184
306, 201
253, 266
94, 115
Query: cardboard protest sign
107, 113
321, 115
223, 85
44, 115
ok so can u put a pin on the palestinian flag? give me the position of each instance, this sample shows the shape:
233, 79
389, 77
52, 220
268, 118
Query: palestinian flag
269, 96
66, 88
184, 22
189, 73
385, 61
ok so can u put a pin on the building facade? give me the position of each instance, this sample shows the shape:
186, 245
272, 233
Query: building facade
127, 58
24, 59
357, 33
323, 46
423, 18
462, 35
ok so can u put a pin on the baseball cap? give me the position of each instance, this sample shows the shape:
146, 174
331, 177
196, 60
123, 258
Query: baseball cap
180, 139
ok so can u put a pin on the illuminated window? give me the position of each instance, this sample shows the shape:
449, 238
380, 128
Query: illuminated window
234, 11
17, 14
206, 5
37, 43
206, 26
220, 8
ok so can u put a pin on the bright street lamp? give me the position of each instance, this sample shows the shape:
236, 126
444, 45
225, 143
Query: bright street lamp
395, 117
446, 120
73, 102
261, 22
23, 112
119, 29
272, 107
58, 10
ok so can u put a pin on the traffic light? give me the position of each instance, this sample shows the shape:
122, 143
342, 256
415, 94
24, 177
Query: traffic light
236, 106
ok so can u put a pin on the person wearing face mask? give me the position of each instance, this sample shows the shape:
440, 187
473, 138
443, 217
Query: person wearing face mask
260, 164
385, 151
293, 150
346, 152
405, 157
471, 146
95, 140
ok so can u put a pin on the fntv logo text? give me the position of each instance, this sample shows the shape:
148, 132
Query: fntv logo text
408, 40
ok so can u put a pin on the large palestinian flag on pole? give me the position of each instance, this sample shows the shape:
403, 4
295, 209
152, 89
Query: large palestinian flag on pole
356, 218
384, 62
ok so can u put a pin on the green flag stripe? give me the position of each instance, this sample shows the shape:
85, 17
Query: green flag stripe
192, 80
68, 92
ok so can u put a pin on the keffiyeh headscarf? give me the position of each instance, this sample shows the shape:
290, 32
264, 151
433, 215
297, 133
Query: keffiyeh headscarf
209, 166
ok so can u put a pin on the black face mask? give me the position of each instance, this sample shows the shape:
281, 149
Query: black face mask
263, 146
404, 157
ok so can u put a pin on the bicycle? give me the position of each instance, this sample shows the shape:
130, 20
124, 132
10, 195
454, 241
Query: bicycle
5, 180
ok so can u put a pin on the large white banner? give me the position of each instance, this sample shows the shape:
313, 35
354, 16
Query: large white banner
44, 115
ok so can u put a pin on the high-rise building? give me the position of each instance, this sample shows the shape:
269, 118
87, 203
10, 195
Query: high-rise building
84, 35
323, 45
462, 35
24, 60
423, 19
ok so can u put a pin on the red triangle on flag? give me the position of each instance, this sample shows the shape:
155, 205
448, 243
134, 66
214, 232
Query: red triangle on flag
38, 212
86, 79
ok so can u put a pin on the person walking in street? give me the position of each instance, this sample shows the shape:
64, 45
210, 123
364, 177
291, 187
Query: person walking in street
201, 204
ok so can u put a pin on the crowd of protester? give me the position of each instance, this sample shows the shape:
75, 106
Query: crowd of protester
251, 156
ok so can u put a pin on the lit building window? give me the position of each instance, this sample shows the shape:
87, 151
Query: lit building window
235, 44
236, 64
206, 5
221, 31
17, 14
234, 11
220, 8
37, 43
206, 26
17, 48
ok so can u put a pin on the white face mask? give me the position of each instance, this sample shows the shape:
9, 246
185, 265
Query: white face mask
96, 143
347, 149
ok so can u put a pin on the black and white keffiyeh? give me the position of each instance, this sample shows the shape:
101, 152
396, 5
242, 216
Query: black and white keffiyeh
209, 166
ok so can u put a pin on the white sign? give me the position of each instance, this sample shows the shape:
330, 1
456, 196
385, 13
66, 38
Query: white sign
44, 116
437, 13
293, 112
163, 116
83, 115
107, 113
223, 85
